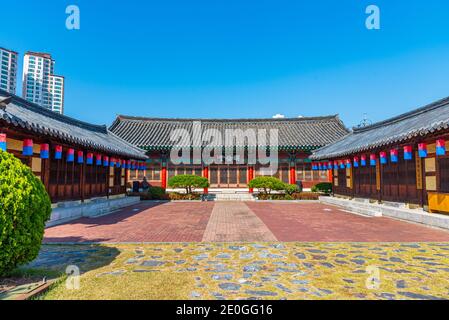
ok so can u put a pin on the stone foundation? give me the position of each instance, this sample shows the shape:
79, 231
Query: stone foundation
71, 210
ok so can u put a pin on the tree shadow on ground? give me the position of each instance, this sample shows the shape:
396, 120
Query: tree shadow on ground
83, 257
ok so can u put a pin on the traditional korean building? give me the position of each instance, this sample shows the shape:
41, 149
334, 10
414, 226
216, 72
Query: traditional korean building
403, 159
297, 138
75, 160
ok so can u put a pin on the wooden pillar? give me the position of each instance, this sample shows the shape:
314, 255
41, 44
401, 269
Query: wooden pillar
83, 179
250, 177
292, 174
206, 175
164, 176
329, 175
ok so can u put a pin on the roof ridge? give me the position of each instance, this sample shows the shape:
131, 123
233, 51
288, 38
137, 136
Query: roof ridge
48, 113
403, 116
140, 118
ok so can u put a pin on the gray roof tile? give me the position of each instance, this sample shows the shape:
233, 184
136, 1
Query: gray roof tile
417, 123
29, 116
154, 133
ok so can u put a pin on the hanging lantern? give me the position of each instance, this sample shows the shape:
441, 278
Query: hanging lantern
90, 158
348, 164
3, 141
119, 163
408, 153
336, 165
133, 165
394, 155
314, 166
324, 166
27, 149
106, 161
363, 160
98, 160
80, 158
128, 164
373, 160
70, 155
45, 151
383, 157
356, 162
441, 147
422, 150
112, 163
58, 152
342, 165
329, 165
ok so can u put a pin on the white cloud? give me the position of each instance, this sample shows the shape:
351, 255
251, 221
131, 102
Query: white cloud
278, 116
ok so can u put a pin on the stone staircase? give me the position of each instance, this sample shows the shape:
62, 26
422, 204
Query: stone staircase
229, 195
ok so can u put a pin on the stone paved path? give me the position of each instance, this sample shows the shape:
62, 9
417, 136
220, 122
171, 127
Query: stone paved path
253, 270
234, 221
229, 221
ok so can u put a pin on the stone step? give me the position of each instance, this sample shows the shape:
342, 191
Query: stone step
229, 197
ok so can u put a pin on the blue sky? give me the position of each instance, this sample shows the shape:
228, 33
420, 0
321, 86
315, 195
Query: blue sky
234, 58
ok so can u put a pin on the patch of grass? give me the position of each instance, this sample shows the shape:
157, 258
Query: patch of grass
286, 270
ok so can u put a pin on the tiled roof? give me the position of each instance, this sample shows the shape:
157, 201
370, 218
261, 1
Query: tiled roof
31, 117
294, 133
414, 124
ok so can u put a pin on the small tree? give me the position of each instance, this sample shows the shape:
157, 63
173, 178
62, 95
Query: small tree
266, 185
24, 208
188, 182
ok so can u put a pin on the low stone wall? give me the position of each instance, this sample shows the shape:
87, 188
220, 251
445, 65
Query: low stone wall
67, 211
396, 211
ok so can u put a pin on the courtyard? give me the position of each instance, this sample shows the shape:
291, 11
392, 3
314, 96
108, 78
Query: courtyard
243, 250
238, 222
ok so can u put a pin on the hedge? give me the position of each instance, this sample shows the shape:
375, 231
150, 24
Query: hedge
324, 187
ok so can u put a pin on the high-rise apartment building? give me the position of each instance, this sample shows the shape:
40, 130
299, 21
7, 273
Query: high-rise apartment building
40, 84
8, 70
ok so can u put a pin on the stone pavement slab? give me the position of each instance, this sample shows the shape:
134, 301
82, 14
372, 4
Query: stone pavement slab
234, 221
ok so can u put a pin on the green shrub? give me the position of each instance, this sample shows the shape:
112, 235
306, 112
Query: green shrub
266, 185
24, 208
157, 193
324, 187
188, 182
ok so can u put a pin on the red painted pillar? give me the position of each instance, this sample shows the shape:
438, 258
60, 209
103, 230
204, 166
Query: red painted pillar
329, 175
164, 177
206, 175
292, 175
250, 177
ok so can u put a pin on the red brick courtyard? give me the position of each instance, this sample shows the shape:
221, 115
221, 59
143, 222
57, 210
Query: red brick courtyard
238, 221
